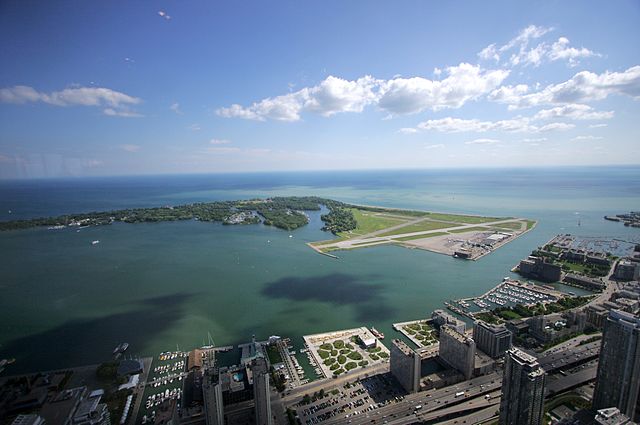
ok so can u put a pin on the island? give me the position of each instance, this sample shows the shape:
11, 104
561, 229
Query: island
353, 226
283, 212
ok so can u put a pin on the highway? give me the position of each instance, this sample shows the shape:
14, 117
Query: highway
429, 401
568, 357
558, 384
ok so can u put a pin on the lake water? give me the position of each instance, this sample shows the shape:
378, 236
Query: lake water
65, 302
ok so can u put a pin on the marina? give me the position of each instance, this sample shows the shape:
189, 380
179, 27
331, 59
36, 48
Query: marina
164, 384
508, 293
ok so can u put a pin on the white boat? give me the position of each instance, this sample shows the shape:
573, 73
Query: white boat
96, 242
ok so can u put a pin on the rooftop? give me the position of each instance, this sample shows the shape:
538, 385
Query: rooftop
402, 346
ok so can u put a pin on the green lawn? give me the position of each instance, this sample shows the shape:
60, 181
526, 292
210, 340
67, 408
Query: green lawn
470, 229
465, 219
514, 225
576, 267
429, 235
370, 222
419, 227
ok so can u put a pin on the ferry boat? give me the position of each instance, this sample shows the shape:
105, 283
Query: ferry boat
376, 333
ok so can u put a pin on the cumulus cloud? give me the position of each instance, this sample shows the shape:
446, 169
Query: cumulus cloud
331, 96
583, 87
407, 130
436, 146
120, 113
221, 149
600, 125
482, 142
175, 107
561, 50
520, 42
130, 148
164, 15
584, 138
515, 125
219, 142
559, 126
573, 111
508, 94
522, 54
115, 103
398, 95
463, 83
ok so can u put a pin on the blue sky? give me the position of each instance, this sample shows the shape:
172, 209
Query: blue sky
152, 87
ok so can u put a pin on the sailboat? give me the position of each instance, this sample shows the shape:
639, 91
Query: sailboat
211, 344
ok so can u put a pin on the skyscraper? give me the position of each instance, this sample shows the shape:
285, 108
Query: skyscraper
213, 403
405, 366
491, 339
522, 390
618, 378
457, 350
261, 394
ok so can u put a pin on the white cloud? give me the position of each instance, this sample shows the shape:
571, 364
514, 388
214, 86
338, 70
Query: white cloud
463, 83
583, 138
120, 113
221, 149
508, 94
219, 142
194, 127
535, 140
282, 108
335, 95
561, 50
583, 87
331, 96
521, 41
482, 142
164, 15
399, 95
407, 130
559, 126
489, 52
515, 125
458, 125
597, 125
573, 111
436, 146
175, 107
522, 54
116, 103
130, 148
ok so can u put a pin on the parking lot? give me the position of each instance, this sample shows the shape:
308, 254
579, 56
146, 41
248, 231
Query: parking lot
351, 399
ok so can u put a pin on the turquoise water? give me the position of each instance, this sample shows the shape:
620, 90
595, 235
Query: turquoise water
66, 302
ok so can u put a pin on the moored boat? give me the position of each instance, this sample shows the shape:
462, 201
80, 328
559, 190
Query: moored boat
376, 333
